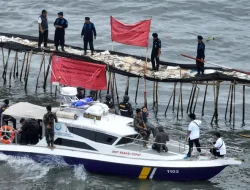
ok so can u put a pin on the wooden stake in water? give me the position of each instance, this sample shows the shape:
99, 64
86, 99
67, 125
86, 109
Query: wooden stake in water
13, 65
6, 67
204, 101
24, 60
137, 88
243, 105
28, 70
228, 98
41, 64
175, 84
190, 97
47, 72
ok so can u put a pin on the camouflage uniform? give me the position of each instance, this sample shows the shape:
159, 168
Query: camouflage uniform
144, 132
48, 120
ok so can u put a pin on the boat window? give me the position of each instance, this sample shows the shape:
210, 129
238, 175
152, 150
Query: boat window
74, 144
93, 135
126, 140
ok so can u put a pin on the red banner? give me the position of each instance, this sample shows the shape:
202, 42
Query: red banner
75, 73
130, 34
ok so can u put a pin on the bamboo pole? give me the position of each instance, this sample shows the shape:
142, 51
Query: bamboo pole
17, 67
112, 87
6, 66
192, 101
41, 64
228, 98
28, 70
231, 103
243, 105
47, 72
181, 100
168, 103
191, 94
116, 91
156, 97
234, 106
13, 65
217, 102
175, 84
204, 100
196, 99
24, 60
137, 88
154, 94
3, 56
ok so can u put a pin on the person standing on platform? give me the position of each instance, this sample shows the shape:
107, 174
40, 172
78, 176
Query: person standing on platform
88, 31
156, 52
200, 55
43, 29
60, 25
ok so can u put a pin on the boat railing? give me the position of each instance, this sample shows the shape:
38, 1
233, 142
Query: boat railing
182, 145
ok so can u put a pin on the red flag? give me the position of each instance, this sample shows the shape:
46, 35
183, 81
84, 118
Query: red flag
130, 34
78, 73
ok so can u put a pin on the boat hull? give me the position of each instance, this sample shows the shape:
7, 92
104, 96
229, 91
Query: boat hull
131, 171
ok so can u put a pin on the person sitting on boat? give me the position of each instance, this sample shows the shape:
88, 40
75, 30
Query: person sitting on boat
193, 135
80, 93
7, 118
140, 127
92, 94
219, 149
125, 107
48, 120
150, 127
109, 101
161, 138
29, 131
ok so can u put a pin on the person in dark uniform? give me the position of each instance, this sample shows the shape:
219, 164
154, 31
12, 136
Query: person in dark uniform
29, 131
80, 93
156, 52
92, 94
125, 107
200, 55
109, 101
48, 120
161, 138
7, 118
43, 28
88, 31
60, 25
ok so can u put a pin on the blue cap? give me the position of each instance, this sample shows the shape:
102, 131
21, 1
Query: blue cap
60, 13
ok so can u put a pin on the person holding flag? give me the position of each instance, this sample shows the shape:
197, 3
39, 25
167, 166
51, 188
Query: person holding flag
156, 52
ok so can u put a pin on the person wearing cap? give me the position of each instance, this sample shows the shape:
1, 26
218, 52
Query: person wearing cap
161, 140
125, 107
7, 118
88, 31
80, 93
140, 127
60, 25
156, 52
43, 29
219, 149
200, 55
109, 102
193, 135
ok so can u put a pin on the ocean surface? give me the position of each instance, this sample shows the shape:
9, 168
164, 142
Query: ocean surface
178, 22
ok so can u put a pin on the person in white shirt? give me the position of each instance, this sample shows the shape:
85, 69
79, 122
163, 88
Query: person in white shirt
219, 149
193, 135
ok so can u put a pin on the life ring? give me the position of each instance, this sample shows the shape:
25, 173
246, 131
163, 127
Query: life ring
7, 134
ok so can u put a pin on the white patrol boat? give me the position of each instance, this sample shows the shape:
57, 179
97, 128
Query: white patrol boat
107, 143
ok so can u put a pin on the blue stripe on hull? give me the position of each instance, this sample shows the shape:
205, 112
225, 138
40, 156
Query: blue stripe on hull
169, 174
